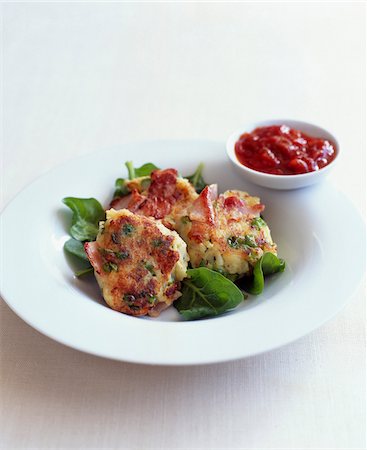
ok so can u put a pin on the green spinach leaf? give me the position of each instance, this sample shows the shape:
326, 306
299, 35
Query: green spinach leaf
120, 188
231, 276
143, 171
196, 179
87, 212
81, 273
207, 293
266, 265
76, 248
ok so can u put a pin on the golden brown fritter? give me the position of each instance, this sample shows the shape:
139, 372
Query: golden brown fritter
138, 263
226, 233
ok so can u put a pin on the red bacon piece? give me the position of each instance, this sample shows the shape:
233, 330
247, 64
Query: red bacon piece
136, 201
233, 202
236, 207
94, 256
202, 208
120, 202
163, 184
162, 194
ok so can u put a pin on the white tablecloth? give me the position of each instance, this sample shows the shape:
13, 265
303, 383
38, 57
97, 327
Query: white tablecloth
81, 76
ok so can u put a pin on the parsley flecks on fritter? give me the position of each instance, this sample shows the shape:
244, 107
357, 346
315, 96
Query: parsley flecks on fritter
226, 233
163, 195
138, 263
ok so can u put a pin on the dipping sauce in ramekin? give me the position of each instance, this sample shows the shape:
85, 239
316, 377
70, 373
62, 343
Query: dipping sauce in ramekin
283, 153
281, 150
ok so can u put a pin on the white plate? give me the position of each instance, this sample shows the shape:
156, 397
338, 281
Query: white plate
318, 232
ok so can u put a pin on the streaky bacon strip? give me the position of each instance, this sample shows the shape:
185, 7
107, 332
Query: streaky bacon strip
136, 201
202, 208
163, 184
162, 194
235, 206
94, 256
233, 202
155, 207
120, 202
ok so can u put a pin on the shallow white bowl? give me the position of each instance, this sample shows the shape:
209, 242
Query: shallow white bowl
282, 181
72, 311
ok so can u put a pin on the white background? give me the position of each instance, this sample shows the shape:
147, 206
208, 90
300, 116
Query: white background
80, 76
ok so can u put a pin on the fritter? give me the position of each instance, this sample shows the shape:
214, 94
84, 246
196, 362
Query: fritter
138, 263
226, 233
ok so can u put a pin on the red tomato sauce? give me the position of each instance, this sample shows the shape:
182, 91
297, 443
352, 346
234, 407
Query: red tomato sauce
281, 150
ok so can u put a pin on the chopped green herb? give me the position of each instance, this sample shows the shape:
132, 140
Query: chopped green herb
106, 251
232, 242
150, 267
250, 240
151, 299
242, 242
122, 255
157, 243
185, 220
258, 222
128, 229
110, 266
